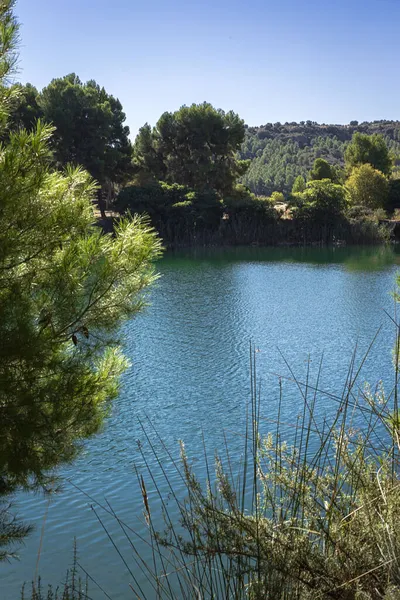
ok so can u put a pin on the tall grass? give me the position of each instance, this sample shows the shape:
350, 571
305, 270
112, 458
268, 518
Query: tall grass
74, 587
317, 518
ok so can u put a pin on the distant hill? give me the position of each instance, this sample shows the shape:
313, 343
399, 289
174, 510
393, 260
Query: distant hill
279, 153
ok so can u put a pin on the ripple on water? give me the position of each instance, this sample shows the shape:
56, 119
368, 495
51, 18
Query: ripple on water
190, 376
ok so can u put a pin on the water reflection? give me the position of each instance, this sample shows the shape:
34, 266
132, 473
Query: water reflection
190, 375
360, 258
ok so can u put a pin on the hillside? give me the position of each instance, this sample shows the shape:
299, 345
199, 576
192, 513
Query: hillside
279, 153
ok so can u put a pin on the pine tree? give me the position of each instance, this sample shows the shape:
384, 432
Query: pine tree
64, 289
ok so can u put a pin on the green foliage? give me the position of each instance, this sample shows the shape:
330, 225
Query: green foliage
363, 213
24, 110
65, 288
366, 222
279, 155
277, 198
9, 31
195, 146
12, 531
276, 163
322, 201
322, 170
153, 198
299, 185
367, 187
189, 217
89, 126
242, 201
176, 211
240, 197
147, 161
158, 197
370, 149
186, 217
393, 198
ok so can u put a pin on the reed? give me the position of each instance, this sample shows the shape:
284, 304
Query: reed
74, 587
314, 515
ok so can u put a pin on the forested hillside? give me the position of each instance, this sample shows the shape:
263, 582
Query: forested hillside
279, 153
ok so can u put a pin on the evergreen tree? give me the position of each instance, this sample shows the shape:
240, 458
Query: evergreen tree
195, 146
25, 110
299, 185
90, 128
371, 149
322, 170
90, 131
64, 290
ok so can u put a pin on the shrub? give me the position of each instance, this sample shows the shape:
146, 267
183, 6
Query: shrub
367, 187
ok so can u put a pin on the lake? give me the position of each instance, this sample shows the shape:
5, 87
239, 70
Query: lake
189, 377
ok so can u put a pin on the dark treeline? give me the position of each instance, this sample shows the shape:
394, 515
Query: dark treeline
188, 176
204, 177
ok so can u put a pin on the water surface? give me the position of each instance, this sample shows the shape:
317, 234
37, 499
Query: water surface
190, 376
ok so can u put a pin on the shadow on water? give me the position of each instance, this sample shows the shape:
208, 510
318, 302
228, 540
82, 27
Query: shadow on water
352, 258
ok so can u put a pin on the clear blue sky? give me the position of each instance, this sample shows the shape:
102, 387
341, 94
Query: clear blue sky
268, 60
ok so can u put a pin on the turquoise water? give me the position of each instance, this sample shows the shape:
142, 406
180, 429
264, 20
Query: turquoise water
190, 376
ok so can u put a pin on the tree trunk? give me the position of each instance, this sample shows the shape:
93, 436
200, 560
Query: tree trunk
101, 204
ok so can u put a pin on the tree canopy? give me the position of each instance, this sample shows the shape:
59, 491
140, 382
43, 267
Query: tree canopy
90, 128
368, 187
195, 146
322, 201
299, 184
370, 149
89, 125
322, 170
25, 110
